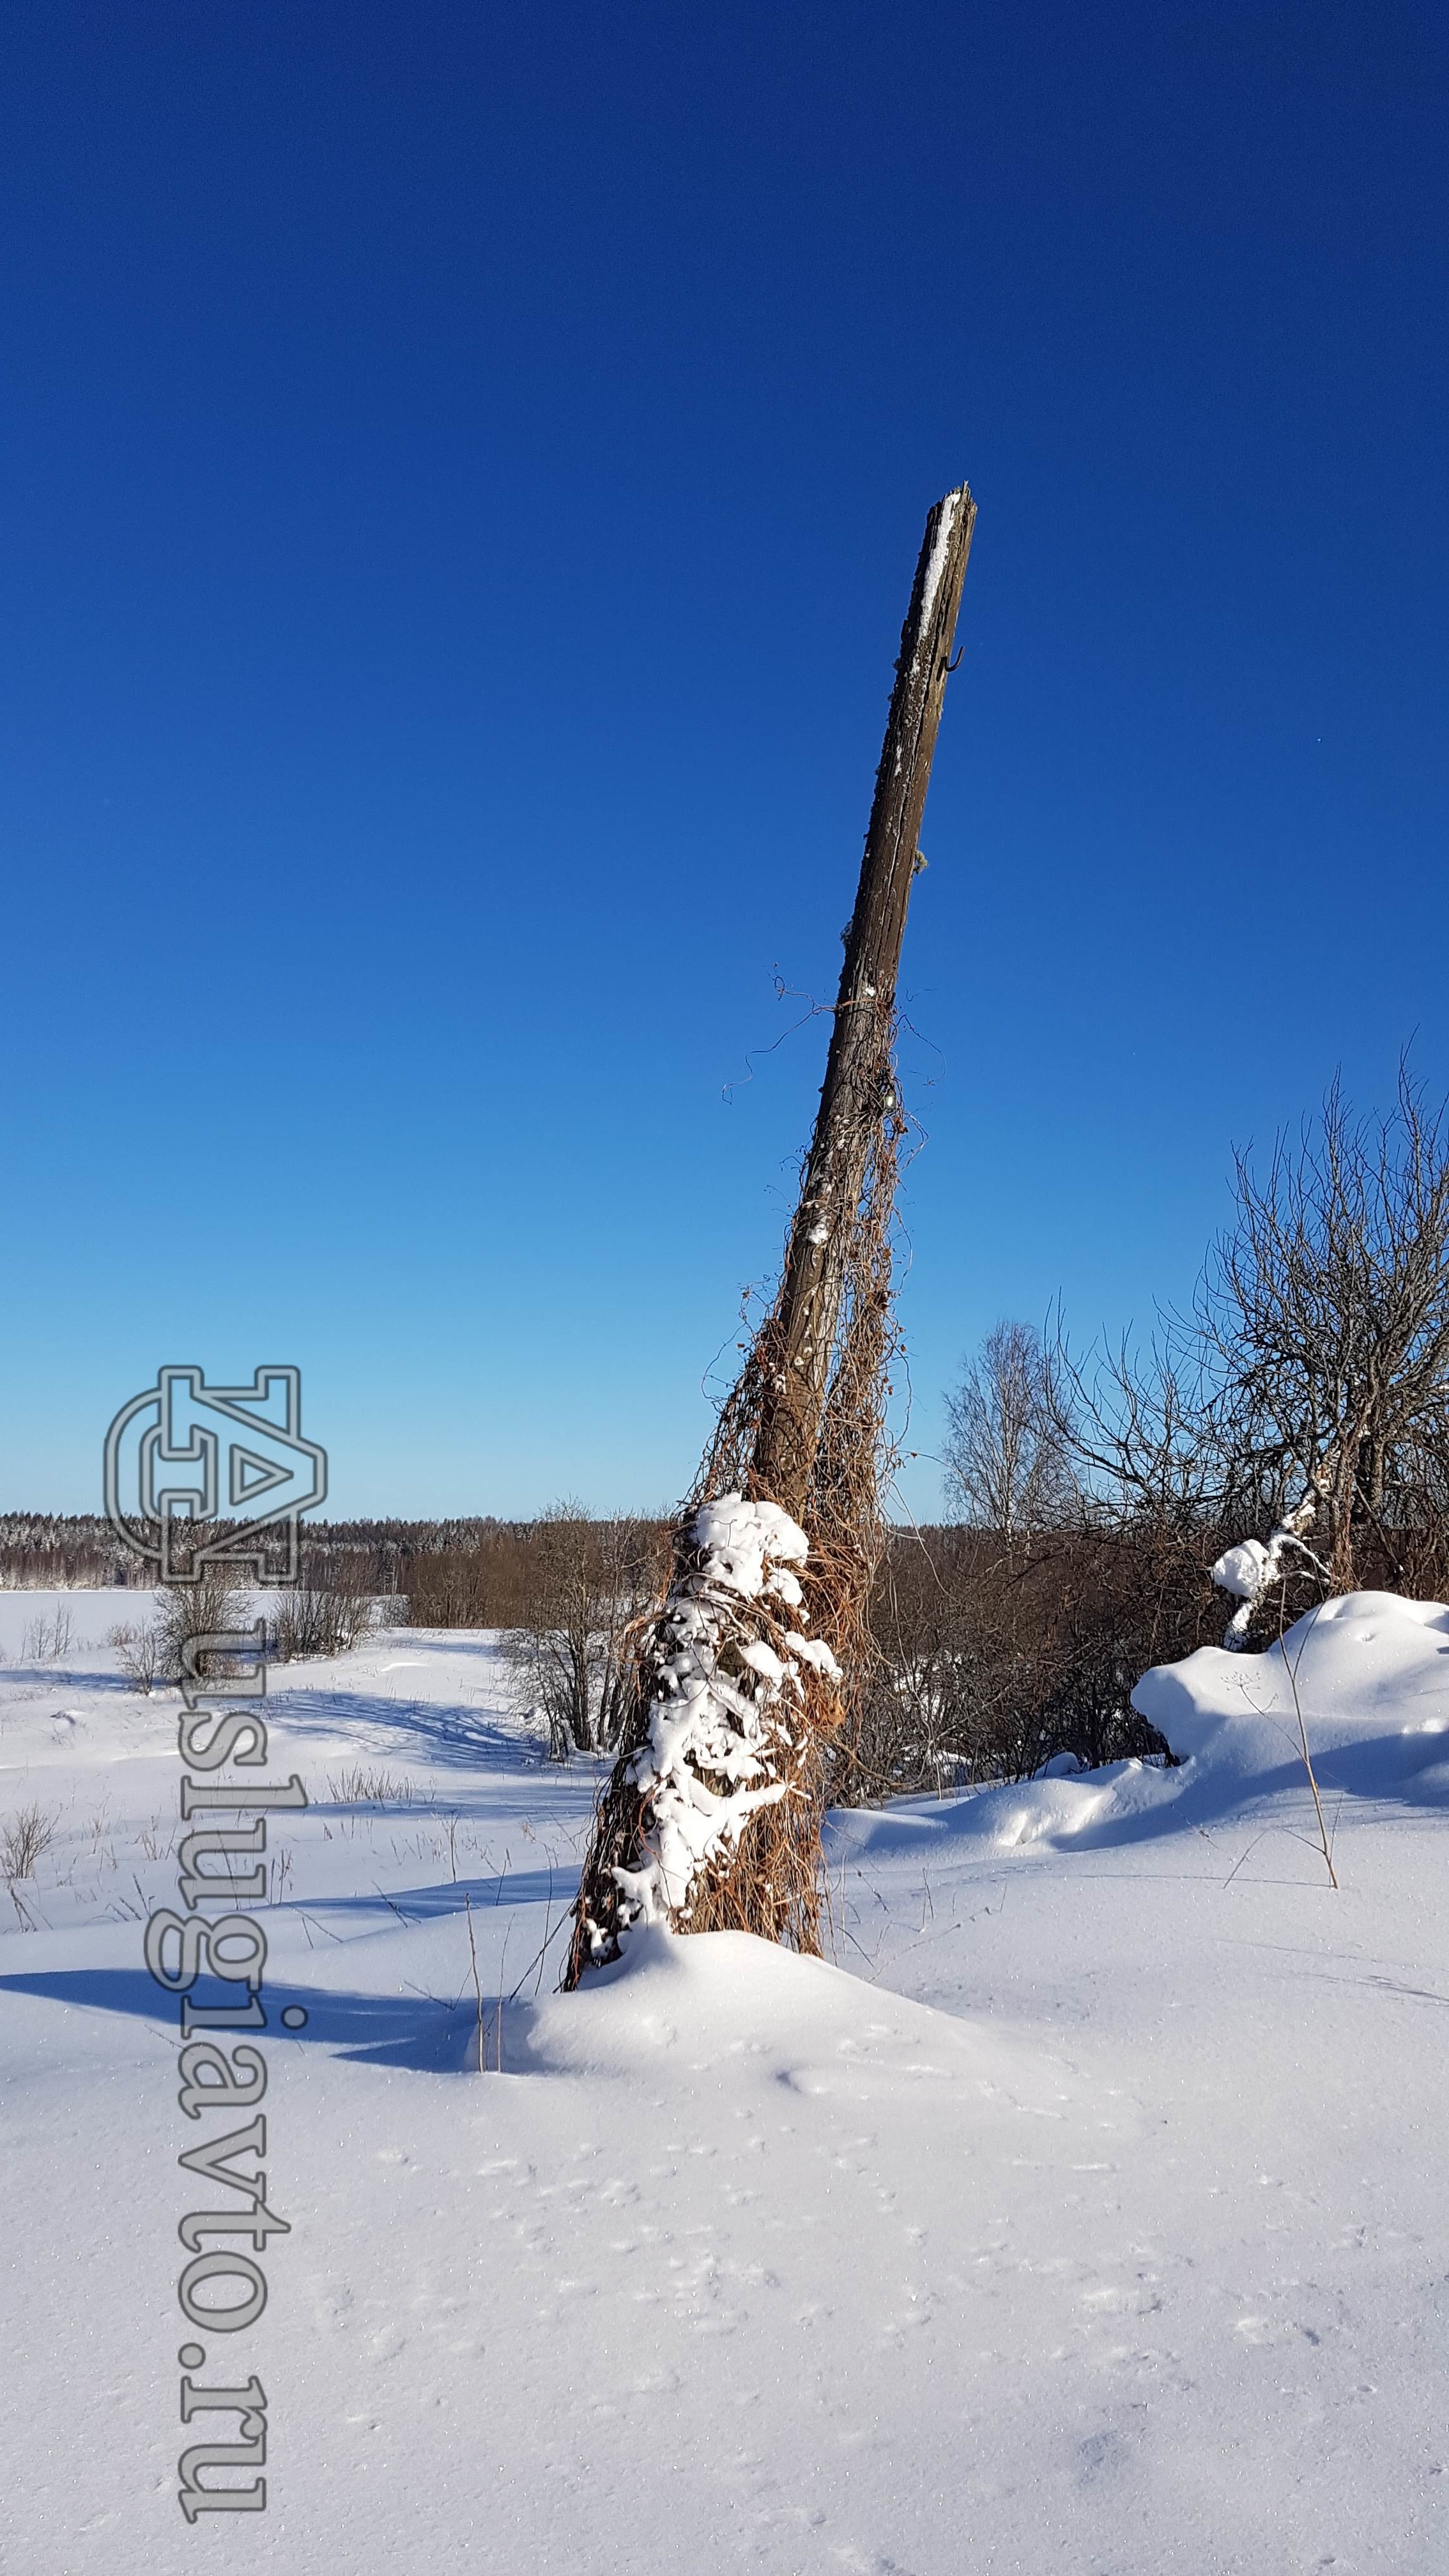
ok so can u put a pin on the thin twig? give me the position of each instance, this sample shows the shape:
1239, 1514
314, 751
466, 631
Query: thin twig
1292, 1670
477, 1985
503, 1962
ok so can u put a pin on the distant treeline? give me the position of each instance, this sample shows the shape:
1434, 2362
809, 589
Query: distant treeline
48, 1551
477, 1572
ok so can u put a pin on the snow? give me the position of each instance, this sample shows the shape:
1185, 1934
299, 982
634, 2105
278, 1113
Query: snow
735, 1725
1248, 1570
1243, 1570
939, 551
1088, 2213
740, 1539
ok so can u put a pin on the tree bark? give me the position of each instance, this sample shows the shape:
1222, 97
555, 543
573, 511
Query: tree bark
856, 1093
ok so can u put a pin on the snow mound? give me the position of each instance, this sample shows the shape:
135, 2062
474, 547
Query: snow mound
1371, 1675
718, 2009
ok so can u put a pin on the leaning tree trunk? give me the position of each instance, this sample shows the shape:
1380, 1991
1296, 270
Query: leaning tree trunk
711, 1819
859, 1089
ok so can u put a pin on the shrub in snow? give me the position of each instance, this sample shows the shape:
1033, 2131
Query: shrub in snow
27, 1834
138, 1652
313, 1619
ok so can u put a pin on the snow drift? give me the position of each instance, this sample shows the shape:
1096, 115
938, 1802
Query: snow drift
1371, 1673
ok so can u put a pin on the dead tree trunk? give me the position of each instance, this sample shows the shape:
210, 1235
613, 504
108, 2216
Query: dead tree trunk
711, 1820
858, 1089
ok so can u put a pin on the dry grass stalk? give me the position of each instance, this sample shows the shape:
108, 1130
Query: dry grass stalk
477, 1982
1291, 1663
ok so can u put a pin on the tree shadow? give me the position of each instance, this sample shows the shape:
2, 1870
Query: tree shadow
415, 2032
59, 1677
454, 1896
456, 1738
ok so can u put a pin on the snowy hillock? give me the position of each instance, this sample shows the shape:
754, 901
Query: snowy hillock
1370, 1675
736, 2016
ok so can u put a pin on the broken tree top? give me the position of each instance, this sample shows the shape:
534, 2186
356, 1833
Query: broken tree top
857, 1074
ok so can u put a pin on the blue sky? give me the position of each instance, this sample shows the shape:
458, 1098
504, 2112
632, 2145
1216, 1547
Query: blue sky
462, 471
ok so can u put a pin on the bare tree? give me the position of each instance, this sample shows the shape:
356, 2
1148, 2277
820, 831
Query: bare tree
216, 1599
589, 1581
48, 1637
1325, 1311
1299, 1420
1008, 1461
1153, 1442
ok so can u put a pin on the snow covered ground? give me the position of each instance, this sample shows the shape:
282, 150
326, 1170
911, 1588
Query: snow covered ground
1090, 2214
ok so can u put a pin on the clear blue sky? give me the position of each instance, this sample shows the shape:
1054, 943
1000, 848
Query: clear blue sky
462, 471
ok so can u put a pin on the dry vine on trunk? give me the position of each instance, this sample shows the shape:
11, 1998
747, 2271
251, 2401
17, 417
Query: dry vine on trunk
711, 1818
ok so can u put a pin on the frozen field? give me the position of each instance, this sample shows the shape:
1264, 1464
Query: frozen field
1090, 2213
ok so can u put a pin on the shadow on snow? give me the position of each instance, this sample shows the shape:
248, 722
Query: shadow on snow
420, 2032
